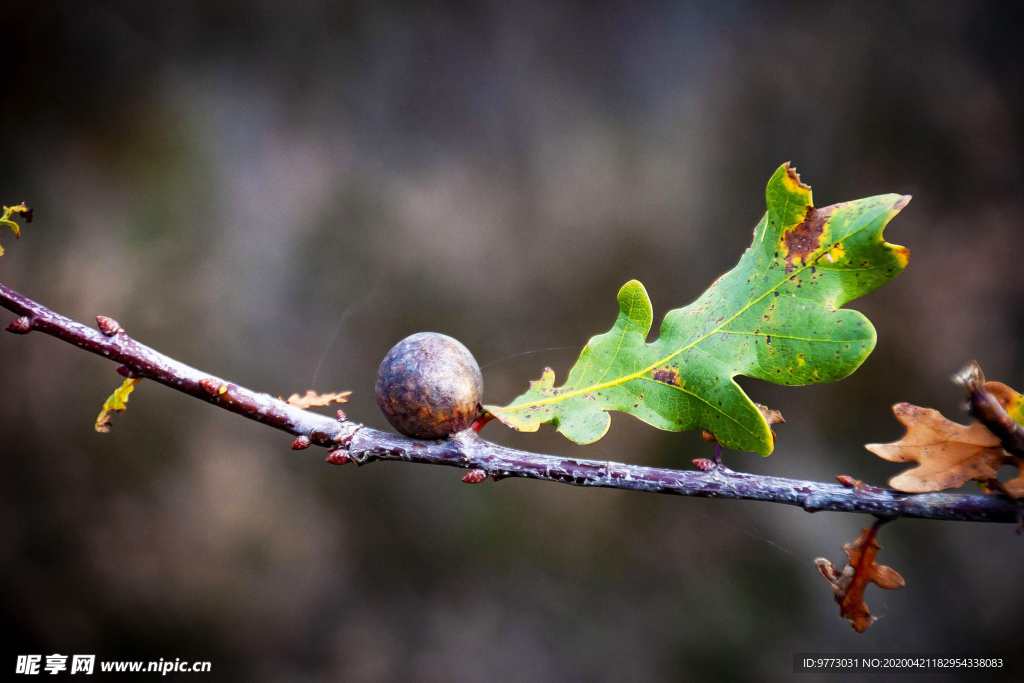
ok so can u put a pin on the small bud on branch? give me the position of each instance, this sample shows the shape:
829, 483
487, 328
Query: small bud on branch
474, 476
212, 386
338, 457
108, 326
126, 371
22, 325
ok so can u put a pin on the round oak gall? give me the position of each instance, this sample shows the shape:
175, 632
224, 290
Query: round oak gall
429, 386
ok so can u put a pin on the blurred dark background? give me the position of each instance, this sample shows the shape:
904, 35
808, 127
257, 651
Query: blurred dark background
277, 192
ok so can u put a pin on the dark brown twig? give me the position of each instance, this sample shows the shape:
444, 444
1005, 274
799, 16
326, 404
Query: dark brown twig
351, 442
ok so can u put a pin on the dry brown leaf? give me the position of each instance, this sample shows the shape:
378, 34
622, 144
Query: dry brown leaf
315, 400
772, 417
861, 569
949, 454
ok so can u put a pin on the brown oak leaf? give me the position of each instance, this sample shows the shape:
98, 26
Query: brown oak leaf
861, 569
315, 400
949, 454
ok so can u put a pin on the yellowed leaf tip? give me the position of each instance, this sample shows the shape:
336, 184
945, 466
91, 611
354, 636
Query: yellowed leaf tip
314, 400
117, 403
792, 177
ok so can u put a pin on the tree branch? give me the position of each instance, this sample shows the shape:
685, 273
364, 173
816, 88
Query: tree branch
350, 441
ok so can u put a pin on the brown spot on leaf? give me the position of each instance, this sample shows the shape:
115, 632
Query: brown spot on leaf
668, 376
805, 237
901, 202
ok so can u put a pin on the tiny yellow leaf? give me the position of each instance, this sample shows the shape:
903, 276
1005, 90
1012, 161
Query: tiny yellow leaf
5, 219
115, 404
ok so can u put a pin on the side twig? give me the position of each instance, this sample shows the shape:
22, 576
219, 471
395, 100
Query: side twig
983, 405
352, 442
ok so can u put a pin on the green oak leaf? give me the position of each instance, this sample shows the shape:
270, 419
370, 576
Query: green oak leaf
776, 316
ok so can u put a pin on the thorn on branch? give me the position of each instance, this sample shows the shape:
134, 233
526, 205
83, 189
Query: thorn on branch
704, 464
474, 476
301, 443
108, 326
22, 325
